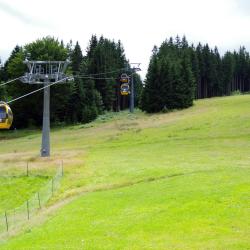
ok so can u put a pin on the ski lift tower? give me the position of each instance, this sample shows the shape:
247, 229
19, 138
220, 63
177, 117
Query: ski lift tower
136, 67
45, 73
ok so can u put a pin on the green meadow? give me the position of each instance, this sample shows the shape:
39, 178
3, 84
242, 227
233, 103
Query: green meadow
178, 180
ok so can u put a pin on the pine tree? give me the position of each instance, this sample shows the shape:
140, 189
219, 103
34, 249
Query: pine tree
5, 76
195, 69
151, 100
103, 56
74, 113
91, 97
218, 89
91, 48
3, 94
169, 82
187, 87
201, 63
76, 58
138, 87
228, 66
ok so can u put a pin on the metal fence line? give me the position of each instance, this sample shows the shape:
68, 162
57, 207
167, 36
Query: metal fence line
13, 218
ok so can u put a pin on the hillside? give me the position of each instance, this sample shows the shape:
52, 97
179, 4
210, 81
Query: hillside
178, 180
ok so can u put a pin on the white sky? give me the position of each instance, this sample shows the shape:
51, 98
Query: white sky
139, 24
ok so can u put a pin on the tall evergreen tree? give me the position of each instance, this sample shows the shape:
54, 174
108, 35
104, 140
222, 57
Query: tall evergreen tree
169, 82
3, 94
76, 59
74, 108
228, 66
151, 99
138, 87
104, 62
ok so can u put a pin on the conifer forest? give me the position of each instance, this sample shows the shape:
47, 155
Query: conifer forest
178, 73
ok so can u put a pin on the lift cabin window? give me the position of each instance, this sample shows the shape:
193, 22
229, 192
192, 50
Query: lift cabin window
2, 113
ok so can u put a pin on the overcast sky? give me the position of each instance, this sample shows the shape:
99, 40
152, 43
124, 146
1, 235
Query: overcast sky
138, 24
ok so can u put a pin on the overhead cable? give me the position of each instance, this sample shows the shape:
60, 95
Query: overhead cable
2, 84
37, 90
103, 73
94, 78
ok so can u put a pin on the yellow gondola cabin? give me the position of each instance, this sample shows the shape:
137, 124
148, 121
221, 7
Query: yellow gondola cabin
6, 116
124, 89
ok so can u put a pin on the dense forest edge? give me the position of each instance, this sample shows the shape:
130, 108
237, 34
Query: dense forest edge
178, 73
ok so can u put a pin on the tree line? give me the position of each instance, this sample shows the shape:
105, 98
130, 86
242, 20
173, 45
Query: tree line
95, 88
178, 73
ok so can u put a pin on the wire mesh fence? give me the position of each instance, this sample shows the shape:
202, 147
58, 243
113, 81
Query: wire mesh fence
12, 219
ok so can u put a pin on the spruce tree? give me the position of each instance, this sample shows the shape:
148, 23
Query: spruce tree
74, 113
169, 82
104, 55
228, 66
151, 100
76, 59
138, 87
187, 87
3, 94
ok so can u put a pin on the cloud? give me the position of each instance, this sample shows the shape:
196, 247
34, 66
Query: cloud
243, 6
222, 23
21, 16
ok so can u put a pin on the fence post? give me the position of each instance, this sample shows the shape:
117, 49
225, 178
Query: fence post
52, 186
39, 201
6, 221
28, 210
62, 168
27, 169
14, 214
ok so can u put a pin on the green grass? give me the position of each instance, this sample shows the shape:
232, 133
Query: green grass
195, 211
16, 185
166, 181
14, 191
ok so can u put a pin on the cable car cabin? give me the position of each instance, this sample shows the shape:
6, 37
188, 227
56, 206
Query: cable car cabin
6, 116
124, 89
124, 78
